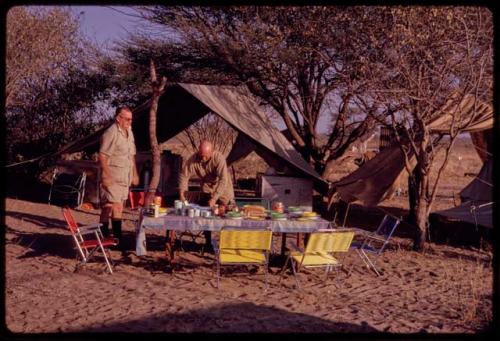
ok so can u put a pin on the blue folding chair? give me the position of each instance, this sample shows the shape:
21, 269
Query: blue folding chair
375, 242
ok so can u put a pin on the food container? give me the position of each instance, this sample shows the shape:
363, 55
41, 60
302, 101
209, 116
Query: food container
222, 210
278, 206
177, 204
154, 210
157, 200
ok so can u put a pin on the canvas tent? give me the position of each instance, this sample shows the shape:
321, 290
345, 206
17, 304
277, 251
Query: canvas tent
181, 105
370, 183
477, 199
480, 190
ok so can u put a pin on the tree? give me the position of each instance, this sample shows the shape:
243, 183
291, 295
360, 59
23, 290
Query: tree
155, 150
287, 56
212, 128
53, 88
438, 58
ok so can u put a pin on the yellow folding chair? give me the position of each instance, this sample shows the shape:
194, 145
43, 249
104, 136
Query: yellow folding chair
319, 251
243, 246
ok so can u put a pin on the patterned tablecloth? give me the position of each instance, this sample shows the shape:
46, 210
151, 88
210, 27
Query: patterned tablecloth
184, 223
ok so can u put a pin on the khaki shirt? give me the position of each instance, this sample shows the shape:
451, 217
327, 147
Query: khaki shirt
120, 151
213, 173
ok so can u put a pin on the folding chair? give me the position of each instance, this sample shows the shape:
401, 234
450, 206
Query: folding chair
88, 239
319, 251
240, 246
136, 198
375, 242
66, 186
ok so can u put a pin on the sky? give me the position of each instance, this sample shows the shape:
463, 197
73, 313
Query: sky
106, 24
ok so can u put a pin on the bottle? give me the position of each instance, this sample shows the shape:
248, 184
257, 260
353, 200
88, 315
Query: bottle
222, 210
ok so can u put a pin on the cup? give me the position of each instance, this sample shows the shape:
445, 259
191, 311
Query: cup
190, 212
197, 212
177, 204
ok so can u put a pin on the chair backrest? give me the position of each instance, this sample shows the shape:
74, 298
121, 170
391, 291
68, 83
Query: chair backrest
136, 198
329, 241
244, 239
70, 220
69, 179
387, 226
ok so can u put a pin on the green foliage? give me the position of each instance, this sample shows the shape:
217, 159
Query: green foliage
54, 93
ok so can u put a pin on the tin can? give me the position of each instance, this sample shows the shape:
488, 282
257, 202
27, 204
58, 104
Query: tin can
177, 204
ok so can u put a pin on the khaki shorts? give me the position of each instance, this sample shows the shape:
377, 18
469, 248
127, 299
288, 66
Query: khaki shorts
114, 194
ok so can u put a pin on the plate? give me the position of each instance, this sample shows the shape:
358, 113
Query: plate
255, 218
279, 218
234, 218
308, 218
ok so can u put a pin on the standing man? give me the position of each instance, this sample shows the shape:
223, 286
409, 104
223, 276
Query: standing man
117, 160
216, 185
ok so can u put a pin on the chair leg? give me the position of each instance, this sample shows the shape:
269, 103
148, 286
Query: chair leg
295, 275
105, 257
218, 274
371, 264
265, 276
282, 272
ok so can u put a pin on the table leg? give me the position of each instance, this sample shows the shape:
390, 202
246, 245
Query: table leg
169, 245
283, 244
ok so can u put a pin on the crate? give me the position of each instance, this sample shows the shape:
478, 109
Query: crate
291, 191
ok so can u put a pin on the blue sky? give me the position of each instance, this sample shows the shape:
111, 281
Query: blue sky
106, 24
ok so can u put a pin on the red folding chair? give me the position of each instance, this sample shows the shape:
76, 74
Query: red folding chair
136, 199
89, 239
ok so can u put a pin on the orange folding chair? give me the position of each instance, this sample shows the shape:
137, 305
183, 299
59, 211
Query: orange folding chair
88, 239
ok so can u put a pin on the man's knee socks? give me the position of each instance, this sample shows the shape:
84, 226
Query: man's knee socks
117, 228
105, 229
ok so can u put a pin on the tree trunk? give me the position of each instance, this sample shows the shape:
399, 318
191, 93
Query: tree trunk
420, 210
155, 149
421, 223
413, 194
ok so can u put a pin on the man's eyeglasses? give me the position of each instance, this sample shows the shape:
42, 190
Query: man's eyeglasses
128, 119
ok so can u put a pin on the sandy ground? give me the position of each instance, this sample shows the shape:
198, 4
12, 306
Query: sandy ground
443, 290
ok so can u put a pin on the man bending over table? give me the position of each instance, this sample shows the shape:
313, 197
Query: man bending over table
216, 185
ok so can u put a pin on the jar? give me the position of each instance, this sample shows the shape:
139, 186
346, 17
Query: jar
222, 210
278, 207
157, 200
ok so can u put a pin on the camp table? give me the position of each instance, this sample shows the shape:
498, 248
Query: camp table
172, 222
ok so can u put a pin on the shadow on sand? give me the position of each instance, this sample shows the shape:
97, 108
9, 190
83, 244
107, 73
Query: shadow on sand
233, 318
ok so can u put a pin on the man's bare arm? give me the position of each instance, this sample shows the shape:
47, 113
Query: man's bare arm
107, 179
